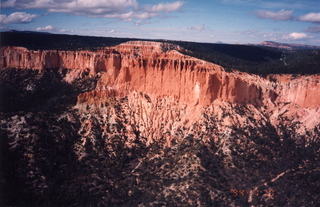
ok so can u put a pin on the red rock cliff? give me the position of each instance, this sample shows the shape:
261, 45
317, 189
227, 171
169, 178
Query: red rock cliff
19, 57
152, 68
301, 90
143, 66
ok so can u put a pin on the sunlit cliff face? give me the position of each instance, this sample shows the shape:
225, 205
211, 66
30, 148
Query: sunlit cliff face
143, 117
184, 82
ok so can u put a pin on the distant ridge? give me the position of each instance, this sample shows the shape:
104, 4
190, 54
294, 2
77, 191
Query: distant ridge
219, 42
287, 46
28, 32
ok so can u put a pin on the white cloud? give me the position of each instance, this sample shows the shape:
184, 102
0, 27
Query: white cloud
17, 18
111, 31
131, 15
165, 7
51, 28
197, 27
280, 15
9, 3
311, 17
121, 9
96, 8
72, 6
271, 4
47, 28
140, 22
296, 36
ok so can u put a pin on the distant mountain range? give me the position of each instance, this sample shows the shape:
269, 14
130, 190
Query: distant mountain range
28, 32
286, 46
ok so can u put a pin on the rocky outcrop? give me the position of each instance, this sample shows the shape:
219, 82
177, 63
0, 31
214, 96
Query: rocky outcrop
146, 68
93, 62
141, 124
160, 71
301, 90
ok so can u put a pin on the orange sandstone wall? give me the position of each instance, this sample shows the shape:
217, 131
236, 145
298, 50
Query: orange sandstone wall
147, 67
18, 57
302, 90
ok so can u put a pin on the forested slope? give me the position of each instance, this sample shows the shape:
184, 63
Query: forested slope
247, 58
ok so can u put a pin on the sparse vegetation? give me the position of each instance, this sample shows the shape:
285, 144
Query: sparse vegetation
109, 170
54, 155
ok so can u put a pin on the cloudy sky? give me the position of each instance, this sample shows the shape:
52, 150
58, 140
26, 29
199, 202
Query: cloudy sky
229, 21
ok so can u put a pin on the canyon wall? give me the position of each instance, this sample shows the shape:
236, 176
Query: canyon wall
19, 57
142, 124
159, 72
146, 68
301, 90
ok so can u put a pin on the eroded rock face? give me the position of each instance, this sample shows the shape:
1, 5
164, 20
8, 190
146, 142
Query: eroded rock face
152, 127
303, 91
143, 67
161, 73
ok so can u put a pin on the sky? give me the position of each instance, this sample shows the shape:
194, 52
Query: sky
228, 21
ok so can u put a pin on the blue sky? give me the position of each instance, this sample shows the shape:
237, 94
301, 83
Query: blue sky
229, 21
